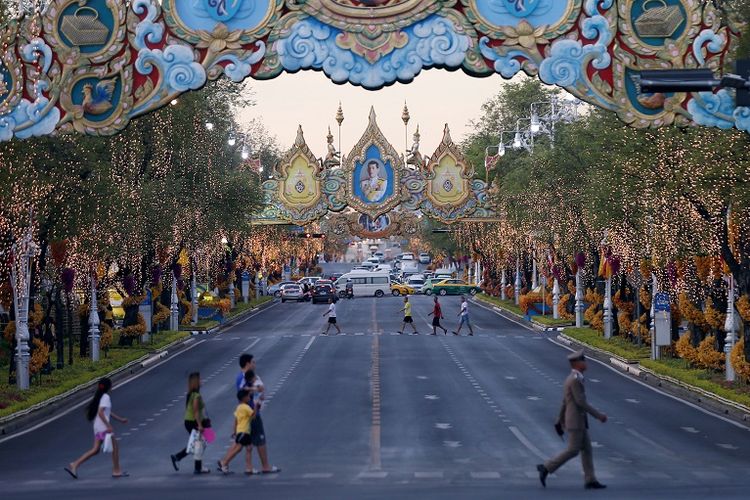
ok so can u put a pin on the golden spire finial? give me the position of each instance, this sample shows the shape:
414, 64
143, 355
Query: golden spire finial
405, 115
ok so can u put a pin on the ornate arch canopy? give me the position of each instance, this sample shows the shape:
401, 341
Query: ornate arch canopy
92, 65
372, 192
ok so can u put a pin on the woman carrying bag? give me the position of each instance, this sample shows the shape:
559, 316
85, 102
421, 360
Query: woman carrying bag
99, 411
195, 420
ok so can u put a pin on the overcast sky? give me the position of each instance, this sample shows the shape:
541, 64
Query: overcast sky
308, 98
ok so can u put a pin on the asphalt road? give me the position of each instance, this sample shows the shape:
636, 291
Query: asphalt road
374, 414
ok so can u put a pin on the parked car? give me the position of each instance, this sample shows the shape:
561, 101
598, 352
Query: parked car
424, 258
407, 256
275, 290
401, 289
368, 265
454, 287
292, 291
323, 292
428, 284
380, 256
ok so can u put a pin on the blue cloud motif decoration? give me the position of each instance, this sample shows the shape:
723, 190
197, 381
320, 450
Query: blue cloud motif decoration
714, 110
205, 15
507, 65
568, 58
30, 115
177, 67
433, 42
147, 29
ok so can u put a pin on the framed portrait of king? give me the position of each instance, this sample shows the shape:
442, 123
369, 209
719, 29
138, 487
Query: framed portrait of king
373, 171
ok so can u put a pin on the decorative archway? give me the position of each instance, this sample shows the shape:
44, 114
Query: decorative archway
373, 191
93, 65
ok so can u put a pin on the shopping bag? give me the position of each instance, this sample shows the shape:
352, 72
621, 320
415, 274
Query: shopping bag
199, 446
107, 443
194, 436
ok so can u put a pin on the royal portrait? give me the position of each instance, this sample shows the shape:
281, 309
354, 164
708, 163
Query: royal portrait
373, 181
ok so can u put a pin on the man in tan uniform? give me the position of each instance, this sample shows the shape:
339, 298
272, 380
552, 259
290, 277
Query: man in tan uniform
573, 418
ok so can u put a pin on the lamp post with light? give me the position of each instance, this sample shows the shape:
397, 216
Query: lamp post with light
23, 252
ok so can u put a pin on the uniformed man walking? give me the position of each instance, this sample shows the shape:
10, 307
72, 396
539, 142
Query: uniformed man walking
573, 418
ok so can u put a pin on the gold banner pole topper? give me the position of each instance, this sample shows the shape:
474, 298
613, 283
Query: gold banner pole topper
85, 29
659, 22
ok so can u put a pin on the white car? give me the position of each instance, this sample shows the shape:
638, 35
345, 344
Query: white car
368, 265
380, 256
407, 256
292, 292
424, 258
416, 282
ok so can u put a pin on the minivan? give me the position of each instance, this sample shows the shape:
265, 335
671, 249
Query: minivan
366, 283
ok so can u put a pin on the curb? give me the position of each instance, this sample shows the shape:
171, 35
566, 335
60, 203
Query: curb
232, 320
23, 419
706, 400
519, 319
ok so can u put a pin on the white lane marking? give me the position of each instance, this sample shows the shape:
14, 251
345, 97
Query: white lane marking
525, 441
633, 401
594, 380
373, 475
595, 444
252, 344
452, 444
432, 397
485, 475
421, 377
443, 426
533, 398
317, 475
309, 343
727, 446
691, 430
510, 377
658, 391
85, 402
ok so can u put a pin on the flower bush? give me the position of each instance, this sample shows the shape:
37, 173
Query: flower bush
740, 364
527, 301
685, 349
708, 357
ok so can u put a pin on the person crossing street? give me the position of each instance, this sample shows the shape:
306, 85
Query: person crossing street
437, 315
407, 317
464, 314
573, 418
331, 313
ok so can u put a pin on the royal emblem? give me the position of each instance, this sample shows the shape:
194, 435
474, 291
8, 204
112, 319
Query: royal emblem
223, 10
448, 185
300, 187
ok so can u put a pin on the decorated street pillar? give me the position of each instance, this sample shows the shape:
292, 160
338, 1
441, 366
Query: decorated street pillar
94, 321
174, 307
652, 325
245, 286
146, 310
555, 299
194, 301
231, 293
579, 299
23, 252
534, 281
608, 316
730, 327
518, 281
503, 284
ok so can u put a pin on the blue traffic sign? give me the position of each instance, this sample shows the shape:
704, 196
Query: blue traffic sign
662, 302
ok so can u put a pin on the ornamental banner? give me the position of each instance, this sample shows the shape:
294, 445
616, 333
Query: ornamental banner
92, 65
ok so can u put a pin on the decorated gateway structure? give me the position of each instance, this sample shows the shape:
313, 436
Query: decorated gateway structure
92, 65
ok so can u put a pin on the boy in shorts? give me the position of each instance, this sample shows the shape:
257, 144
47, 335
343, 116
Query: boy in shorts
407, 317
243, 415
331, 313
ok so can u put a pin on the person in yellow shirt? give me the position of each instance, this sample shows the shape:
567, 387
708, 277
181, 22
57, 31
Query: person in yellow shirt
243, 415
407, 317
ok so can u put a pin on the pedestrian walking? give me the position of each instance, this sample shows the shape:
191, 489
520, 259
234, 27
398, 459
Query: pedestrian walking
195, 419
437, 315
464, 317
573, 418
407, 317
243, 416
99, 411
331, 313
252, 382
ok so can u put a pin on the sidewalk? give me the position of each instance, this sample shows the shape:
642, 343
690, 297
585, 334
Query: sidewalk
633, 367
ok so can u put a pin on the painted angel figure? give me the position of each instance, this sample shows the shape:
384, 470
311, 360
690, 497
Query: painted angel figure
333, 157
415, 157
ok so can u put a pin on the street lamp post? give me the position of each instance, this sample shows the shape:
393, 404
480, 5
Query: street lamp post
517, 294
579, 299
194, 299
608, 316
174, 308
729, 326
23, 254
652, 326
94, 336
555, 299
503, 284
231, 291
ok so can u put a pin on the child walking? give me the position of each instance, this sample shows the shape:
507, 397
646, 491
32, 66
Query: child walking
100, 412
195, 419
243, 415
331, 313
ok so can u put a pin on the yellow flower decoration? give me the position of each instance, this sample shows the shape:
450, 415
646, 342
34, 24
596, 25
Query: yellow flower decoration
525, 35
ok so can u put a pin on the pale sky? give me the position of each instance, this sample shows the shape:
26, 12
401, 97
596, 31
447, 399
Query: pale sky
308, 98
